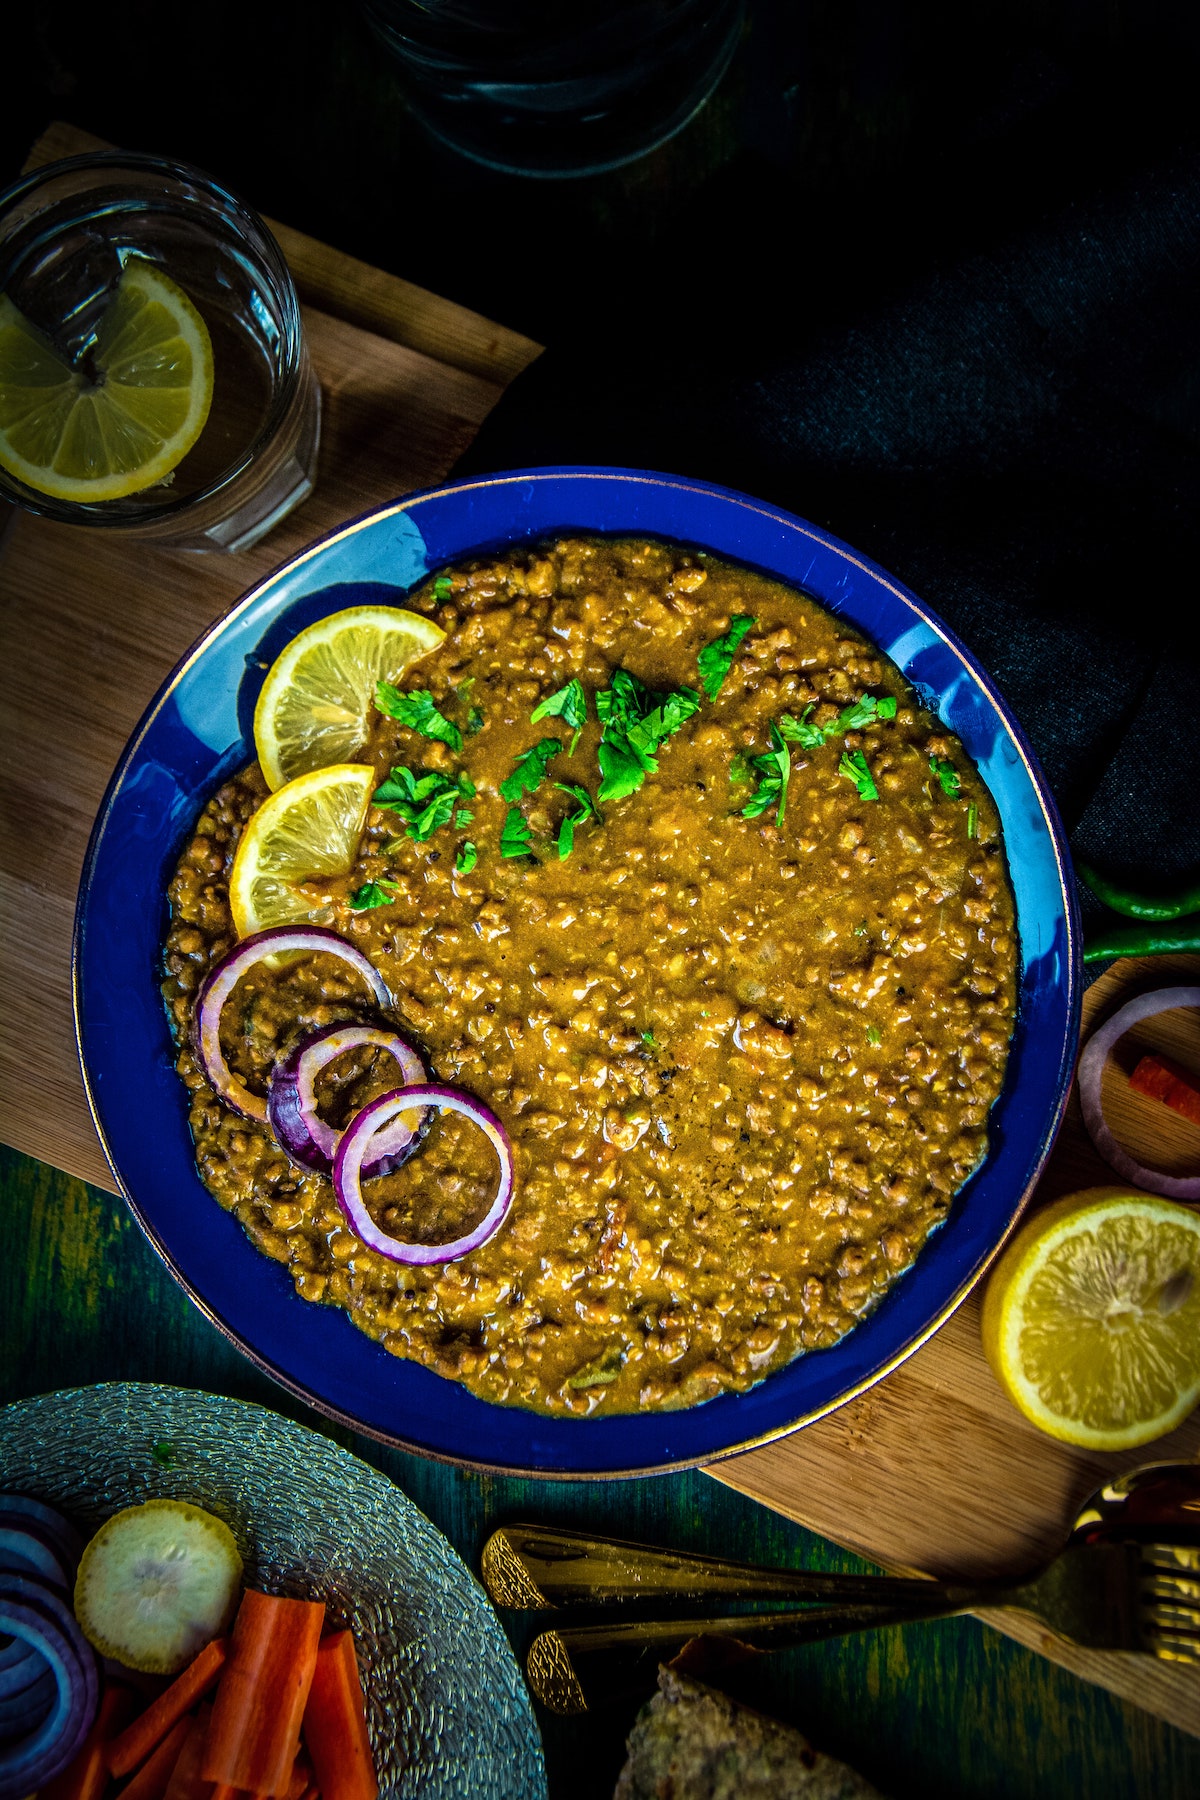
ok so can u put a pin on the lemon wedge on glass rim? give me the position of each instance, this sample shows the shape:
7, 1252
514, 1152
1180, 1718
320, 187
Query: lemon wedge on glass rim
1091, 1320
130, 417
316, 703
308, 829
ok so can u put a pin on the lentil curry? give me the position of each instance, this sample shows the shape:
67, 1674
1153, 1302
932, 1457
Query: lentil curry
744, 1036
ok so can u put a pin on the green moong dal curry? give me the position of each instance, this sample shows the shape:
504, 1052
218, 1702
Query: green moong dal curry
744, 1034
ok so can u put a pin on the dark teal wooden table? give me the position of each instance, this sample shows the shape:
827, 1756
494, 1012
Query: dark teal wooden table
950, 1711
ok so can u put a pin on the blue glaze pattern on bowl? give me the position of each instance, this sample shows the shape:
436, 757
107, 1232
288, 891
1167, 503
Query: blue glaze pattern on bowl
197, 732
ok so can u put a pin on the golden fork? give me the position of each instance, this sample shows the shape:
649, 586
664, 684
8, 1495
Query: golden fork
1105, 1596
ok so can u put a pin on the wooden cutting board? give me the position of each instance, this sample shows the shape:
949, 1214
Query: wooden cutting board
931, 1469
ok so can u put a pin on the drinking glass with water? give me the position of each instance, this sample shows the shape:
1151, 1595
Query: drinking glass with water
154, 378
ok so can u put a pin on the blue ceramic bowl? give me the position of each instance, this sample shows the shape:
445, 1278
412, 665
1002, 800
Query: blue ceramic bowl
198, 731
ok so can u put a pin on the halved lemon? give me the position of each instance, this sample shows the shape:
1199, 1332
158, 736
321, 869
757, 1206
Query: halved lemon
128, 419
1091, 1319
309, 828
316, 704
157, 1583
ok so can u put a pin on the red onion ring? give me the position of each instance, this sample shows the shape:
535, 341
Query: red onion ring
292, 1100
352, 1151
221, 981
1091, 1074
47, 1626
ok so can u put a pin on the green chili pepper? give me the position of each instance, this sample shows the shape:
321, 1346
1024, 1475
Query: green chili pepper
1135, 905
1146, 939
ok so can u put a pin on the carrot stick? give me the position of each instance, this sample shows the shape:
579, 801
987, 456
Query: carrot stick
335, 1724
255, 1730
1165, 1080
186, 1781
135, 1743
150, 1782
86, 1775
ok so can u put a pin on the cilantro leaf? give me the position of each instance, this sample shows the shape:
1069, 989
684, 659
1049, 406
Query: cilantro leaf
514, 837
739, 767
972, 820
466, 859
569, 704
474, 720
637, 722
650, 1041
947, 775
773, 769
802, 731
531, 769
463, 816
874, 1035
443, 587
585, 811
855, 768
716, 659
418, 712
424, 802
373, 893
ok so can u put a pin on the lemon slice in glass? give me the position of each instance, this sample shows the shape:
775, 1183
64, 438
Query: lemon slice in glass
316, 703
128, 419
309, 829
157, 1583
1091, 1319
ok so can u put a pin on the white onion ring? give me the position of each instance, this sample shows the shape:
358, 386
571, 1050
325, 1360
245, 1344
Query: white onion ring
1091, 1074
221, 981
357, 1140
292, 1099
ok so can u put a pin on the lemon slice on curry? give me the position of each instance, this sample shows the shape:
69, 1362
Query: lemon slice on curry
157, 1583
126, 421
316, 703
306, 831
1091, 1319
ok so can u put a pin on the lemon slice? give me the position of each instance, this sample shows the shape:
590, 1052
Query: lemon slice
156, 1584
1092, 1318
78, 438
316, 704
310, 827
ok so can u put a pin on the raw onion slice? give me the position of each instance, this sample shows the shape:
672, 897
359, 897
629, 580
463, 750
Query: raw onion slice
1091, 1074
27, 1551
45, 1624
358, 1141
292, 1100
221, 981
45, 1520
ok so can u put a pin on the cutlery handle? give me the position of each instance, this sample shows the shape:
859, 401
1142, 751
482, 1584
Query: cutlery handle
581, 1668
534, 1566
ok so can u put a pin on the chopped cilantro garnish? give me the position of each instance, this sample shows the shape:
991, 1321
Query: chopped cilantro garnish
463, 816
163, 1452
855, 768
739, 767
972, 820
467, 857
874, 1035
947, 775
373, 893
650, 1041
584, 811
569, 704
530, 771
716, 659
637, 722
474, 720
773, 769
424, 802
514, 837
418, 712
863, 711
443, 587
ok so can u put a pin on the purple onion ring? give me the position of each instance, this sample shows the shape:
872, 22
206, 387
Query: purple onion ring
292, 1100
1091, 1074
357, 1141
221, 981
31, 1761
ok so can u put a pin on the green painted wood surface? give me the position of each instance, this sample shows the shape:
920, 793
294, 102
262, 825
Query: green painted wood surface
949, 1711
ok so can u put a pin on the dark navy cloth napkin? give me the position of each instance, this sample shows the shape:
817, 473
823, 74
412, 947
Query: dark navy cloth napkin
1014, 434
